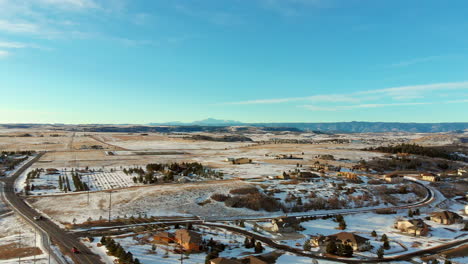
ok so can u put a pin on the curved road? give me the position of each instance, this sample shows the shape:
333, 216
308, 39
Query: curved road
47, 228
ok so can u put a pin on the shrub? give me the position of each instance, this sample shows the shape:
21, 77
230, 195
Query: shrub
245, 190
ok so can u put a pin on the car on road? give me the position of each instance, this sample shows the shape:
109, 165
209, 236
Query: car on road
37, 218
75, 250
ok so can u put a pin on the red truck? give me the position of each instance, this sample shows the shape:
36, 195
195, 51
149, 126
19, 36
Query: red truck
75, 250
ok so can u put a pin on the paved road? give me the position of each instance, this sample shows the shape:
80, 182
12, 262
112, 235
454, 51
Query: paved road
59, 237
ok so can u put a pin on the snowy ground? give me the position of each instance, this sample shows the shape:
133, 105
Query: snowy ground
156, 200
141, 247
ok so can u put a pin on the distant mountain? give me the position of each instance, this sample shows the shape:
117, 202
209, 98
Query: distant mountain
204, 122
339, 127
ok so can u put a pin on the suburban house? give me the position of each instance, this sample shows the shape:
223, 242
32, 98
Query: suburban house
415, 227
307, 175
225, 261
462, 171
430, 177
285, 224
255, 260
446, 218
318, 241
393, 178
358, 243
241, 161
163, 238
349, 175
52, 171
189, 240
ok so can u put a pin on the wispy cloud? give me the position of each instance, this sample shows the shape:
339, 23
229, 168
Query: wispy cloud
292, 8
359, 106
396, 93
18, 27
417, 61
315, 98
4, 53
70, 4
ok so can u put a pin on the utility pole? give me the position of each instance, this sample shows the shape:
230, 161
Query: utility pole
87, 176
35, 245
19, 246
48, 240
110, 204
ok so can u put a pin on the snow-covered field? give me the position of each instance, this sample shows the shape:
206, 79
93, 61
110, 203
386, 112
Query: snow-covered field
159, 200
141, 247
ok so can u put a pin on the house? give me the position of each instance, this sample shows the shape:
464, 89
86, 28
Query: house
318, 241
241, 161
285, 224
349, 175
415, 227
446, 218
225, 261
393, 178
256, 260
462, 171
189, 240
430, 177
358, 243
163, 238
307, 175
52, 171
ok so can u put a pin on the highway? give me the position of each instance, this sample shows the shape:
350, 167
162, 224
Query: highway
47, 229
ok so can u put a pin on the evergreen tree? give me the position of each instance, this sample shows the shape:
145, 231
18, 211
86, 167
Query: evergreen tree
447, 261
136, 261
374, 234
384, 238
331, 247
103, 240
258, 247
247, 243
386, 245
307, 245
410, 213
380, 252
342, 225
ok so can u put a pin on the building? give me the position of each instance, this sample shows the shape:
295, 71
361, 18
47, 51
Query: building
256, 260
462, 171
349, 175
189, 240
430, 177
358, 243
241, 161
446, 218
225, 261
163, 238
307, 175
52, 171
393, 178
415, 227
285, 224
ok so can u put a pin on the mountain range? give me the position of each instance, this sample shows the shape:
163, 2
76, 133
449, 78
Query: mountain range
343, 127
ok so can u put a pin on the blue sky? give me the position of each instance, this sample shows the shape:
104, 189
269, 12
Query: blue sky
134, 61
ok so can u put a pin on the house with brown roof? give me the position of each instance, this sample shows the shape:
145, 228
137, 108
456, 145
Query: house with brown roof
415, 227
357, 242
225, 261
241, 161
393, 178
429, 177
285, 224
446, 218
189, 240
349, 175
163, 238
256, 260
